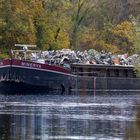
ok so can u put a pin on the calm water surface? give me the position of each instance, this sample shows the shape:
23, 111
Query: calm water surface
47, 117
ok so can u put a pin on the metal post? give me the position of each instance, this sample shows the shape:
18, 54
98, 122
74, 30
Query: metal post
94, 86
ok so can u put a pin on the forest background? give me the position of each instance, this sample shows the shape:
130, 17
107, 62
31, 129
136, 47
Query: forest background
110, 25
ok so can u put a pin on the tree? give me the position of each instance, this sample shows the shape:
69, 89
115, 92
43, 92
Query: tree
39, 18
17, 26
81, 12
136, 27
57, 23
75, 24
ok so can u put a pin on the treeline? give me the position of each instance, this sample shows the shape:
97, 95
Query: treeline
111, 25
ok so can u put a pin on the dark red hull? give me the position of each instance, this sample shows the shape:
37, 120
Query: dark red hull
22, 76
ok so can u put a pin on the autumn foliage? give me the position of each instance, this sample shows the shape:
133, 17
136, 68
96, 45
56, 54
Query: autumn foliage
75, 24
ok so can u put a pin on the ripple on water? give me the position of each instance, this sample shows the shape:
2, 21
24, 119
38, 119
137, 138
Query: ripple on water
68, 117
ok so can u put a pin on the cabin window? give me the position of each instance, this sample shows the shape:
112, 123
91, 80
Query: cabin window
90, 73
131, 74
103, 73
95, 74
80, 71
122, 73
116, 72
86, 72
126, 73
74, 69
108, 73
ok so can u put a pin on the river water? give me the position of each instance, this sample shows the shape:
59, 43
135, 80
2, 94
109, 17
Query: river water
65, 117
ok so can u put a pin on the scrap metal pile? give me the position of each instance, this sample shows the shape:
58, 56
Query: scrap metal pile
91, 57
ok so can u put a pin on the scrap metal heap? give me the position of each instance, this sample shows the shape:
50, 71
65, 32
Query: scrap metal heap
88, 57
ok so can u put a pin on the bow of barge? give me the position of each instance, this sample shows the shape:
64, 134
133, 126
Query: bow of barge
18, 76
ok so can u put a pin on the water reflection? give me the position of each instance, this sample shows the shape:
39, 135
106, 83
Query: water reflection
133, 131
69, 117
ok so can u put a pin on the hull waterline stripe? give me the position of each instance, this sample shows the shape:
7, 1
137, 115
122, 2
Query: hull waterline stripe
5, 66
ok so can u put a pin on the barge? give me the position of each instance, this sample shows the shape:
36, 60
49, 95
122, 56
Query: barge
24, 76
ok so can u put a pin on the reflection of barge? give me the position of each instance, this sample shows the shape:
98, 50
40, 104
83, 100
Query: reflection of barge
19, 76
